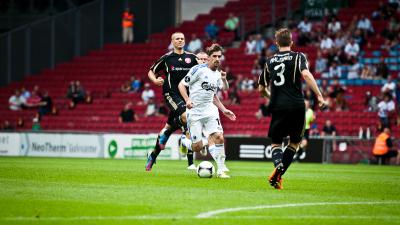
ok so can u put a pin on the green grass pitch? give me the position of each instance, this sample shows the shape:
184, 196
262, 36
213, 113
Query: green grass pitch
99, 191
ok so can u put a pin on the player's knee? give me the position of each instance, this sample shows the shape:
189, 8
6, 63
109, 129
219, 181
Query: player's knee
218, 138
196, 147
294, 146
183, 118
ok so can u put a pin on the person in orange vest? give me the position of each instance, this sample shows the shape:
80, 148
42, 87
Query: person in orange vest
383, 145
127, 26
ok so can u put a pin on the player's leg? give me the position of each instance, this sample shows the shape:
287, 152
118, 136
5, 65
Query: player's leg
213, 127
162, 139
300, 154
277, 132
296, 133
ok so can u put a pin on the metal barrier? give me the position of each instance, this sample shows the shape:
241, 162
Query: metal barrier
44, 43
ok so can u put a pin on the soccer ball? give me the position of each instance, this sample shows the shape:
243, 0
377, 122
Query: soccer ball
205, 169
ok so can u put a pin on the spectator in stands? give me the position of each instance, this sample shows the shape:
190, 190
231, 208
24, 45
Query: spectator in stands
259, 43
136, 84
368, 72
326, 44
162, 109
359, 38
232, 25
385, 109
45, 104
33, 100
382, 12
256, 70
16, 101
334, 25
382, 70
230, 77
20, 122
250, 48
247, 84
234, 98
321, 64
36, 124
25, 93
365, 25
329, 129
127, 26
263, 110
305, 28
352, 49
151, 109
354, 69
397, 93
389, 87
147, 93
76, 93
211, 30
335, 71
125, 87
310, 97
383, 147
195, 45
6, 126
371, 102
127, 114
340, 40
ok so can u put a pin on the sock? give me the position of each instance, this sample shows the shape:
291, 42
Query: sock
277, 155
161, 141
190, 157
186, 142
218, 153
205, 141
288, 157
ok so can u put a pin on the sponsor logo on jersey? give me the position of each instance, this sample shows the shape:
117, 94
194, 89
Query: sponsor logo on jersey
188, 60
173, 68
208, 87
187, 79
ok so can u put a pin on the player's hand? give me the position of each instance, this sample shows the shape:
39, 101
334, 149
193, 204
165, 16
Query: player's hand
322, 103
228, 113
189, 104
223, 74
159, 81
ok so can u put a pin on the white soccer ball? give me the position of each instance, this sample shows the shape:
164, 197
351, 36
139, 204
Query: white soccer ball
205, 169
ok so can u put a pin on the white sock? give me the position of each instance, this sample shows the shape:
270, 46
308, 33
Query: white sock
186, 142
205, 141
218, 153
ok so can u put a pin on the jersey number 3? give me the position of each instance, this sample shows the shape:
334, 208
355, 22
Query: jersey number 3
280, 69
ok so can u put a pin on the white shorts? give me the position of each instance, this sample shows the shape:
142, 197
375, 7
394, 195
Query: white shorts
203, 125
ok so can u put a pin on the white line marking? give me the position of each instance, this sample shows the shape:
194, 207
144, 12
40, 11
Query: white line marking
227, 210
214, 214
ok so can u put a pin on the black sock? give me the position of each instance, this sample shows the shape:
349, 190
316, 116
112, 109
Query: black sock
190, 157
157, 149
277, 155
288, 157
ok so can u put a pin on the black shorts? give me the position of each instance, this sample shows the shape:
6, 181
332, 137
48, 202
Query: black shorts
288, 122
177, 106
389, 154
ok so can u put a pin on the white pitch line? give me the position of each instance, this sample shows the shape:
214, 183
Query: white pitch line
228, 210
214, 214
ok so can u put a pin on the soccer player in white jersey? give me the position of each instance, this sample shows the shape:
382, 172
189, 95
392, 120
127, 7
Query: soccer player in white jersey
202, 108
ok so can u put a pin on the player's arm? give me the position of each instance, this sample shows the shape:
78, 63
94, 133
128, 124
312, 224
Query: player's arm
228, 113
309, 78
263, 81
225, 84
183, 91
154, 69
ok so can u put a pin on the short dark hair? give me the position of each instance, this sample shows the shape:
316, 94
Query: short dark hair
213, 48
283, 37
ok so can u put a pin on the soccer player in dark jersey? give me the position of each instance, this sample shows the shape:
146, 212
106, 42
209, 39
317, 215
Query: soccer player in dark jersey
175, 65
282, 73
